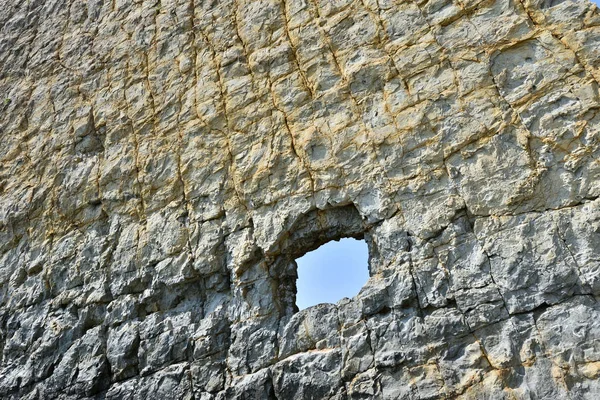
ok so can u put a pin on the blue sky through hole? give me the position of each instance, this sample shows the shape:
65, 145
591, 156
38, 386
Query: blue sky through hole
332, 272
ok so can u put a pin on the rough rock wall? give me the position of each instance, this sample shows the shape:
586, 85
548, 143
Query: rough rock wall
164, 162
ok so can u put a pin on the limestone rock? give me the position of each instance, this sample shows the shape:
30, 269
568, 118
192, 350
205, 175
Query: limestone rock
164, 162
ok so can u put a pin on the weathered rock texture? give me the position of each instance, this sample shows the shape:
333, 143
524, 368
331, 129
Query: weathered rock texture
164, 162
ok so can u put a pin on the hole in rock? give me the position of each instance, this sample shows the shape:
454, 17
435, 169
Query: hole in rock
335, 270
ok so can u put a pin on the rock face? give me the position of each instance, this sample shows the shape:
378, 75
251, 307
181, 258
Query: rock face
163, 163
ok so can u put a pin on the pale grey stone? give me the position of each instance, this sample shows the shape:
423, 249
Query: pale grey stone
164, 163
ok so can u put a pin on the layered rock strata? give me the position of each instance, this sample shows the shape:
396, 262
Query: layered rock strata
164, 162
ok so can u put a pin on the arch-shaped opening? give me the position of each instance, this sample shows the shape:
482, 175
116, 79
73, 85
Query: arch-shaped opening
335, 270
308, 233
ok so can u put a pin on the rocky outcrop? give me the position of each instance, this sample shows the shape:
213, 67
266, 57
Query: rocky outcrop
163, 162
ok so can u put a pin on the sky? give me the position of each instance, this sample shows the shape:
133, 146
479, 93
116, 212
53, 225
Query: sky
332, 272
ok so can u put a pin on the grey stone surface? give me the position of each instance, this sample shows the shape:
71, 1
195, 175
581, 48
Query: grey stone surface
164, 162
